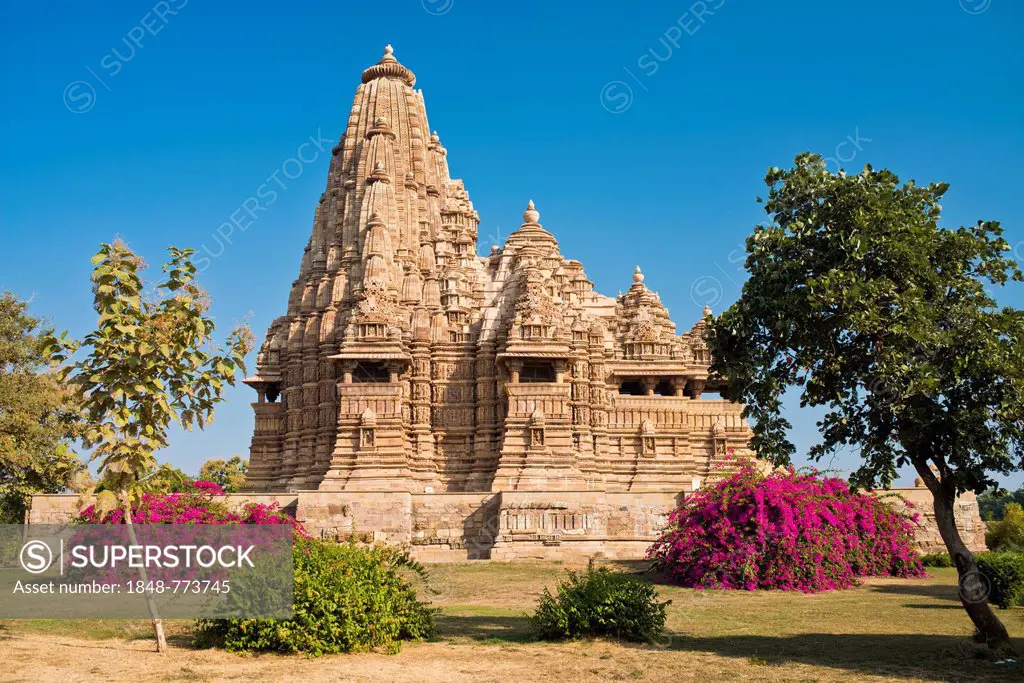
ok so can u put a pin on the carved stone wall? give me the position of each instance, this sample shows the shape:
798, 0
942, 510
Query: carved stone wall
506, 525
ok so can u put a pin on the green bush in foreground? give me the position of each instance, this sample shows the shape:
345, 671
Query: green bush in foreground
1005, 574
348, 598
936, 560
599, 602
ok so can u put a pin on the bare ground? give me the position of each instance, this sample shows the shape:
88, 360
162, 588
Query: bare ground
907, 630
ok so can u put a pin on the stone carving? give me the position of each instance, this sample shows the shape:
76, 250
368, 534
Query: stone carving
406, 362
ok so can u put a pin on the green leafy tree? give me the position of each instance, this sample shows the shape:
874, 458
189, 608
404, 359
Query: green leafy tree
857, 297
228, 474
992, 504
149, 363
37, 415
1008, 532
162, 479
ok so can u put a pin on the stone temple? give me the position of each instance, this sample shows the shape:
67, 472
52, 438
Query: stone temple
473, 407
455, 399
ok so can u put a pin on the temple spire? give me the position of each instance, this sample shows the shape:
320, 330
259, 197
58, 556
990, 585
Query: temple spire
389, 67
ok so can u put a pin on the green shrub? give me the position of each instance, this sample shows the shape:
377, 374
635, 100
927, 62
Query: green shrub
599, 602
348, 598
936, 560
1005, 574
1007, 533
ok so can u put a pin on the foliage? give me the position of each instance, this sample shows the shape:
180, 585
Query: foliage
993, 502
36, 414
857, 296
936, 560
163, 479
599, 602
1007, 533
229, 474
1005, 574
348, 598
150, 362
199, 502
785, 531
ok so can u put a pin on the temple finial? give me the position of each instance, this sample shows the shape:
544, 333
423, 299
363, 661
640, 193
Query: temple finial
388, 67
707, 310
638, 277
531, 215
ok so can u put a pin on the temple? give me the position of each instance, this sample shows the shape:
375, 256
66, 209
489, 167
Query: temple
409, 368
473, 407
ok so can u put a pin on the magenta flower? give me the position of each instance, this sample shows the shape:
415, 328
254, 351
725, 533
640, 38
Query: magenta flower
784, 531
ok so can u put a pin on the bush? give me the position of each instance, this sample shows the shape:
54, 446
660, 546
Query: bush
784, 531
198, 502
1005, 574
599, 602
936, 560
1007, 533
348, 598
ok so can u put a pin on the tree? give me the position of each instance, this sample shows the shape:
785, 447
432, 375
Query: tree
161, 479
993, 502
1008, 532
857, 297
150, 363
37, 418
229, 474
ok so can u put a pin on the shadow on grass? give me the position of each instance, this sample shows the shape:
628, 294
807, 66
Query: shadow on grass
938, 658
931, 590
904, 656
486, 629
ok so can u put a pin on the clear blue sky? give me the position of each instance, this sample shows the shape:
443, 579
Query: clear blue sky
642, 131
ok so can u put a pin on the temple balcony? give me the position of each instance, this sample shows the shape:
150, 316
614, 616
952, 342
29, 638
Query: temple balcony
629, 412
647, 350
383, 398
268, 418
549, 398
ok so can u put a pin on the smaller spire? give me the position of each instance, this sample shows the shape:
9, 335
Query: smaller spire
638, 277
378, 174
531, 215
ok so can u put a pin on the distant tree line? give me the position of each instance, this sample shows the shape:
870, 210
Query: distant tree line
994, 501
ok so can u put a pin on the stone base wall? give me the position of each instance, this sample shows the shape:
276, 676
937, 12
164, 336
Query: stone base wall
507, 525
965, 511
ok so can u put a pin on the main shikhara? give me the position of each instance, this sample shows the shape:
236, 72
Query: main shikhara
406, 362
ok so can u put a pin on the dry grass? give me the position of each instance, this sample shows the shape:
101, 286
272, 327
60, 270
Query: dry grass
884, 630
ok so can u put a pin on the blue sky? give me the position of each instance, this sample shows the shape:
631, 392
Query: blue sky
642, 131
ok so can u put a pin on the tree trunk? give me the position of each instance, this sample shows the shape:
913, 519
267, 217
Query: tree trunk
158, 624
990, 629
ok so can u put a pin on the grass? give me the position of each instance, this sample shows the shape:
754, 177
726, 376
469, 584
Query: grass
886, 629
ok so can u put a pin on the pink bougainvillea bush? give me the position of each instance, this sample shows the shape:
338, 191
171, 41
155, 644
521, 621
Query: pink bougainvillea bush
784, 531
201, 502
197, 504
